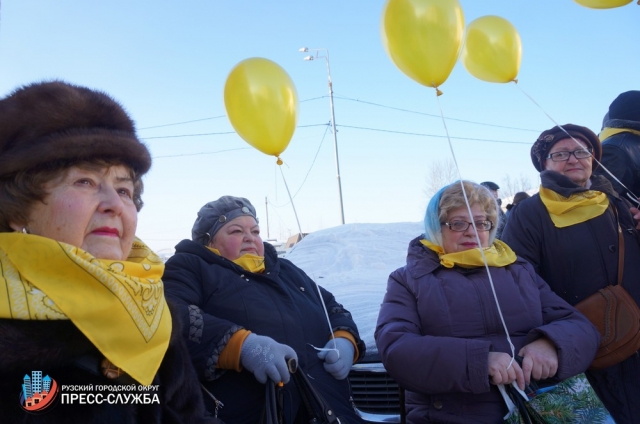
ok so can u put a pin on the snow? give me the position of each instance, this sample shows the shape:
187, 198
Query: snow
353, 262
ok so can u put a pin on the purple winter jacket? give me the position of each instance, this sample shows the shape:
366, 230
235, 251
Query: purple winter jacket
437, 325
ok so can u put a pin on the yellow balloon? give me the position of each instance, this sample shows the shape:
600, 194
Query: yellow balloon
492, 50
423, 37
262, 104
603, 4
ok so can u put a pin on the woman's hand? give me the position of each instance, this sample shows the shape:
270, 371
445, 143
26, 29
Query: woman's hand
636, 215
338, 359
500, 371
266, 358
540, 360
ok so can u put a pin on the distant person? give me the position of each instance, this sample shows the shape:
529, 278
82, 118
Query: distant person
440, 333
247, 312
517, 198
620, 138
494, 188
570, 232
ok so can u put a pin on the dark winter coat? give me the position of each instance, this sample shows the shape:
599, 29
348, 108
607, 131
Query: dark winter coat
218, 298
437, 326
621, 156
53, 347
577, 261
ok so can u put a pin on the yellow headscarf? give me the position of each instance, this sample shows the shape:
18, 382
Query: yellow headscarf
118, 305
497, 255
577, 208
248, 262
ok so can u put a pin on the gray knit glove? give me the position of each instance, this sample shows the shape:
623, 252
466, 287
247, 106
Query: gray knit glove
338, 359
266, 358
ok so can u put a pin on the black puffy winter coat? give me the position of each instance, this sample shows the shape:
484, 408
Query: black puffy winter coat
577, 261
55, 348
218, 297
621, 156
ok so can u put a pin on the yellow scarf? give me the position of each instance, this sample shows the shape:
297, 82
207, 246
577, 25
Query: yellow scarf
577, 208
118, 305
498, 255
248, 262
608, 132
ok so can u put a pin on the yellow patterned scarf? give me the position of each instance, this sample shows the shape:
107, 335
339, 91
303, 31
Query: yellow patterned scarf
248, 262
577, 208
608, 132
118, 305
498, 255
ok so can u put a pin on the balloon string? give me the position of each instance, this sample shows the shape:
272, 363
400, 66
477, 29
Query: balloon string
475, 230
291, 200
326, 314
579, 144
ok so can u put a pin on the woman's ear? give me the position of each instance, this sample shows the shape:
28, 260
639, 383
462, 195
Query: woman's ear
16, 227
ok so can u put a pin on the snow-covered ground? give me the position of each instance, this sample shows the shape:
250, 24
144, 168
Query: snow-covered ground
353, 262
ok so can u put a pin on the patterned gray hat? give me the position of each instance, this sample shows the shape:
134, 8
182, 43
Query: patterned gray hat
214, 215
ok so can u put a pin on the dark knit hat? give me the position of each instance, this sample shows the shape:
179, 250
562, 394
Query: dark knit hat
51, 122
214, 215
491, 185
626, 106
548, 138
520, 196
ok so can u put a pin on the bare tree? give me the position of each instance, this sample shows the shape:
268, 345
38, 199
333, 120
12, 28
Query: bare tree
510, 186
440, 174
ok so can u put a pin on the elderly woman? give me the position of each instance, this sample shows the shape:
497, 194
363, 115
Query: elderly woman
569, 233
249, 311
83, 319
441, 328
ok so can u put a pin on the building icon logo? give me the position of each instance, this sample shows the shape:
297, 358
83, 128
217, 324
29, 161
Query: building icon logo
38, 393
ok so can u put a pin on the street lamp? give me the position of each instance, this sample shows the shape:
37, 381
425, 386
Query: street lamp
333, 116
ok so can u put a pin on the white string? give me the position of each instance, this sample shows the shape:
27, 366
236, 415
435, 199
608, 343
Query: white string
291, 200
579, 144
475, 230
326, 314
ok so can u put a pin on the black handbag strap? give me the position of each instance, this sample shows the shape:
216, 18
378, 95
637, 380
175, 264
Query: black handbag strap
313, 401
316, 407
620, 245
273, 409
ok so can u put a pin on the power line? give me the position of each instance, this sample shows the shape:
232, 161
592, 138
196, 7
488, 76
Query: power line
181, 123
433, 115
215, 133
308, 172
188, 135
434, 135
201, 153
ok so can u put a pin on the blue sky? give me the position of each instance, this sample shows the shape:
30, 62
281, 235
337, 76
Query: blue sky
167, 63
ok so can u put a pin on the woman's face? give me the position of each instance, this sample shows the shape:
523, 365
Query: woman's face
238, 237
578, 170
89, 208
458, 241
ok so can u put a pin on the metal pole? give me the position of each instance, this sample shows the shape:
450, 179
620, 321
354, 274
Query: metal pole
335, 136
266, 208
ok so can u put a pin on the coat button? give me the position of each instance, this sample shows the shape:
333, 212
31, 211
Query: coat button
612, 248
437, 404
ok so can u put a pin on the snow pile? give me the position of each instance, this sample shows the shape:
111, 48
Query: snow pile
353, 262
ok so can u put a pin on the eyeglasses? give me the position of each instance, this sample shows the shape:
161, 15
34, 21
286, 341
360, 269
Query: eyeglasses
460, 226
564, 156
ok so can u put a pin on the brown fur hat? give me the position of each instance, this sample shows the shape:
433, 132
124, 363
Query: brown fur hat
51, 122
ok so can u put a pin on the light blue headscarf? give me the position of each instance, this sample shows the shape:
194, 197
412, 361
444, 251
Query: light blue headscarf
432, 226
